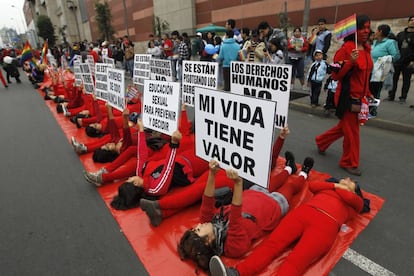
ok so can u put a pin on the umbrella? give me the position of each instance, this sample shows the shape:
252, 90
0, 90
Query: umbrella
211, 28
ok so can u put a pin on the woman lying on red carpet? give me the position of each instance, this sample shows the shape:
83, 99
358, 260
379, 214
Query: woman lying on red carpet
252, 213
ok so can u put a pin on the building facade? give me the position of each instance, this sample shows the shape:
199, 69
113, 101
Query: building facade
136, 18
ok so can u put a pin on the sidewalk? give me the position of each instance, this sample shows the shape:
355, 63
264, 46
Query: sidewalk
391, 115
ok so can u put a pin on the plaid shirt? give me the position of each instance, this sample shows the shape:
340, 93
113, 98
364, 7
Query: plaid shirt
183, 51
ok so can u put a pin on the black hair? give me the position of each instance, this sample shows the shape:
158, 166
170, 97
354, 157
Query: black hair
276, 41
263, 25
367, 203
245, 31
297, 28
217, 40
361, 20
323, 20
104, 156
229, 33
92, 132
410, 17
128, 196
385, 29
232, 23
185, 35
196, 248
175, 33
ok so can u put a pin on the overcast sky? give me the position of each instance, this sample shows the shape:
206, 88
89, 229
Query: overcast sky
12, 17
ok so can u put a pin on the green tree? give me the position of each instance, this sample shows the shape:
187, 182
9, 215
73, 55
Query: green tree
160, 26
104, 18
46, 29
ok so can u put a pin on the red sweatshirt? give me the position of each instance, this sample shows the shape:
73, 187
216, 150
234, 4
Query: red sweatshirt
242, 231
338, 203
361, 70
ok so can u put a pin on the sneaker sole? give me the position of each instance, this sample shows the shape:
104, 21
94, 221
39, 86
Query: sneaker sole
152, 213
217, 267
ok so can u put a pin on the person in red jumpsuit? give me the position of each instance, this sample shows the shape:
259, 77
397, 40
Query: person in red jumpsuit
353, 84
253, 212
125, 164
168, 205
154, 178
311, 228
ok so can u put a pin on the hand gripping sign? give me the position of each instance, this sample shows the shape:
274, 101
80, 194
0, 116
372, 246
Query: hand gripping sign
235, 130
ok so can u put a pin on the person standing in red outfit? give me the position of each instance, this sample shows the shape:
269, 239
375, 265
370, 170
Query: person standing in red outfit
252, 213
353, 85
312, 228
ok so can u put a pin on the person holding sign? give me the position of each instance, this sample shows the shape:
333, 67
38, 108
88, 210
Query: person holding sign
311, 228
125, 164
169, 205
252, 213
155, 177
113, 144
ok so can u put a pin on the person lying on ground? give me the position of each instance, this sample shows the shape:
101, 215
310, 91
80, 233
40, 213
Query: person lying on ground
156, 177
169, 205
110, 146
311, 229
253, 213
125, 164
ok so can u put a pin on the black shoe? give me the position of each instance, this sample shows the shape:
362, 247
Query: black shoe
73, 119
389, 99
290, 161
307, 165
153, 211
354, 171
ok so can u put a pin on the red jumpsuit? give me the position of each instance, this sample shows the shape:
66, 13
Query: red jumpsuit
2, 79
348, 126
126, 163
172, 204
314, 225
266, 211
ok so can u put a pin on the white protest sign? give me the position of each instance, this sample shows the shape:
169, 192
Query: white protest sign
198, 73
265, 81
108, 60
141, 69
101, 80
87, 79
235, 130
91, 62
161, 69
116, 88
161, 106
77, 71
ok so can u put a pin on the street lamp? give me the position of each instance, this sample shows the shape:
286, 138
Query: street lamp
71, 5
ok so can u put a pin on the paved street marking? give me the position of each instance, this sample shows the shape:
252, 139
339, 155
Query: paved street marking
366, 264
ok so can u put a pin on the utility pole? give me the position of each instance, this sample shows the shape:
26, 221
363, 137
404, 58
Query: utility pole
306, 17
125, 18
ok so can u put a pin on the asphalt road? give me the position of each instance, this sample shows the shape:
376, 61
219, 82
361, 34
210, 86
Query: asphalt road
54, 223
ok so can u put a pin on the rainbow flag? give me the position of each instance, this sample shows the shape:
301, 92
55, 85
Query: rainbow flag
26, 52
345, 27
312, 39
43, 56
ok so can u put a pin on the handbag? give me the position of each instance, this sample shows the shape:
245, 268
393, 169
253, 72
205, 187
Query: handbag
355, 105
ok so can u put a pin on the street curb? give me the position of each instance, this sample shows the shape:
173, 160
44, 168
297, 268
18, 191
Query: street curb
377, 122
